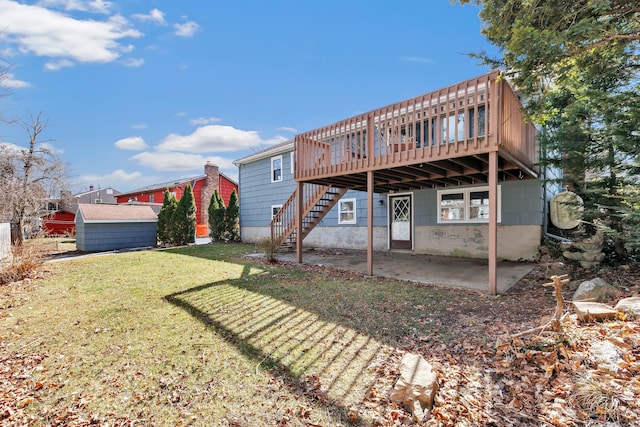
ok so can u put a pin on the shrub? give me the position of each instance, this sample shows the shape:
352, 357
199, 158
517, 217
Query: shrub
232, 217
217, 213
183, 219
169, 205
25, 262
269, 247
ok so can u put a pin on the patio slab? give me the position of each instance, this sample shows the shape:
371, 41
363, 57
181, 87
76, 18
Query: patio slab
466, 273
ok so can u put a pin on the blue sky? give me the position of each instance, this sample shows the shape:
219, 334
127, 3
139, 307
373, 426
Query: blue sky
140, 92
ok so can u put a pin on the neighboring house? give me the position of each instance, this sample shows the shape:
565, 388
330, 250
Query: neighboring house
109, 227
203, 187
61, 213
422, 175
105, 196
59, 223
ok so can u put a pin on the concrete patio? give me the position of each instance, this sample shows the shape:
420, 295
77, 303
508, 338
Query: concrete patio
463, 273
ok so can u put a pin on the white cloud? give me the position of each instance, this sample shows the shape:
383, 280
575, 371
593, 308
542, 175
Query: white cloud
57, 65
155, 16
43, 32
181, 113
133, 62
417, 59
51, 148
118, 179
170, 161
8, 81
131, 143
214, 138
6, 53
139, 126
188, 29
126, 48
287, 129
11, 147
96, 6
201, 121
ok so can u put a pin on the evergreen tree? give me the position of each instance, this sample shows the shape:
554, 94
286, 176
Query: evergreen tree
183, 220
217, 212
578, 65
232, 217
169, 205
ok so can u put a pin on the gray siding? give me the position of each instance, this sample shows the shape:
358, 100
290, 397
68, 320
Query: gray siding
521, 202
258, 193
80, 235
379, 212
110, 236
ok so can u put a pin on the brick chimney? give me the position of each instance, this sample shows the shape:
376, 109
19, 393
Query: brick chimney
211, 183
91, 188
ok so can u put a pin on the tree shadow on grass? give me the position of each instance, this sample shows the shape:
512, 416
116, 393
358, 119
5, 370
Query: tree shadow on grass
328, 329
324, 360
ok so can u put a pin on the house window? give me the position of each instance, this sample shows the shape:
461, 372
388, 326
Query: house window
151, 198
347, 211
274, 210
293, 162
465, 205
276, 169
451, 207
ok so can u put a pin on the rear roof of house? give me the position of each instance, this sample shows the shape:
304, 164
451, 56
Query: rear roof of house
172, 184
116, 213
280, 148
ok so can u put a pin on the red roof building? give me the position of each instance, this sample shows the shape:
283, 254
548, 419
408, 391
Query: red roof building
203, 187
59, 223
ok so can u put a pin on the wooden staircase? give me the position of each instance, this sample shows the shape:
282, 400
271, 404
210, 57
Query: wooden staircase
318, 201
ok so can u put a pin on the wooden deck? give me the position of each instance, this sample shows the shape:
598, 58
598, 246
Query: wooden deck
473, 132
442, 138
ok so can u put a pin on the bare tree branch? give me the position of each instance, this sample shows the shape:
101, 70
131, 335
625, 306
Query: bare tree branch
29, 176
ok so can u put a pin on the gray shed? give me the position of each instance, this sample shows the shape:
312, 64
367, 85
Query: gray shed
109, 227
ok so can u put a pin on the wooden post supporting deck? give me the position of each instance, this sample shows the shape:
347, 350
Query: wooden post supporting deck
493, 222
370, 223
370, 193
299, 209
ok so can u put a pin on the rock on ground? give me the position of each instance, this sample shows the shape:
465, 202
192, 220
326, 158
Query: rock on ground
596, 290
588, 311
629, 305
417, 385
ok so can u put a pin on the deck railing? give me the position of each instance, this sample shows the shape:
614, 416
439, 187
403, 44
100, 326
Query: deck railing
451, 122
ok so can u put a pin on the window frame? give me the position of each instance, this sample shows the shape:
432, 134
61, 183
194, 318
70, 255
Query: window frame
341, 211
274, 212
273, 159
466, 192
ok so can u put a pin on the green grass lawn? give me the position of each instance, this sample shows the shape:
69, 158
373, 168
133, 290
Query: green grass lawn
201, 336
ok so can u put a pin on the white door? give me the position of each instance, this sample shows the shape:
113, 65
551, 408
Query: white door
400, 224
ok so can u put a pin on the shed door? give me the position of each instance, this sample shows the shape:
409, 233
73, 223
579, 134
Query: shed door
400, 227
